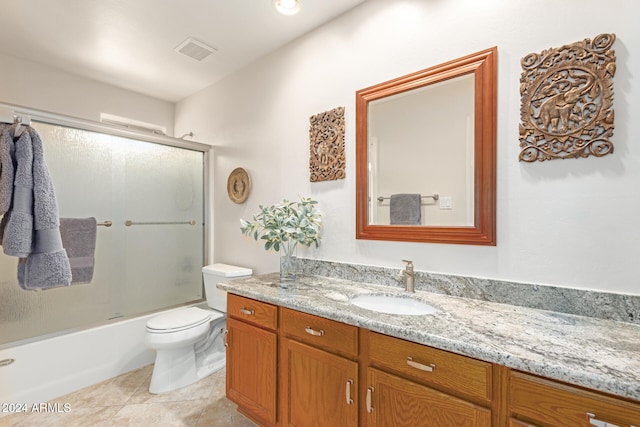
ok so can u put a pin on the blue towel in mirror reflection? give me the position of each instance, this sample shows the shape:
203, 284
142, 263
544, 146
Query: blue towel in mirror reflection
404, 209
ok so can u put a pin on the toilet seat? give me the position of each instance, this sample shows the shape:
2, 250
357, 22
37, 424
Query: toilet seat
181, 320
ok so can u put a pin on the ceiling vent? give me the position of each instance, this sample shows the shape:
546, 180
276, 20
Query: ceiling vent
194, 49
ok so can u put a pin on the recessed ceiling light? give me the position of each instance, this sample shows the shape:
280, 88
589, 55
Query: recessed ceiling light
287, 7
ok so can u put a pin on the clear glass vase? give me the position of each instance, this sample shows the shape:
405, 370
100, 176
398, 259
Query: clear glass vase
288, 261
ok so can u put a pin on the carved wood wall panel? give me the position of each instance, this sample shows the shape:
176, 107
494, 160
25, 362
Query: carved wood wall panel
326, 145
567, 101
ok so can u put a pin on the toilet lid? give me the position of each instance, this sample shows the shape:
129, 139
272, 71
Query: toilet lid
180, 319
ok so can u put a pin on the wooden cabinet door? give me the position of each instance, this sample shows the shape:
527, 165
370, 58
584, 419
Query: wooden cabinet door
251, 370
321, 388
397, 402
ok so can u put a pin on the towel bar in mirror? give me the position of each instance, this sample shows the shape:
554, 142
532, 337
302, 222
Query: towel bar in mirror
435, 128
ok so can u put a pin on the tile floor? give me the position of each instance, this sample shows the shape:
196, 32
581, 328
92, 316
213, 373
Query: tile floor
125, 401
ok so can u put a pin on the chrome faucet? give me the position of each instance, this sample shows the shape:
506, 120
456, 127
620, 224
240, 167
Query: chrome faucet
408, 276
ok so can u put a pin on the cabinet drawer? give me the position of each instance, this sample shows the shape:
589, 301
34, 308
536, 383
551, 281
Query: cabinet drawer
552, 403
252, 311
325, 333
452, 371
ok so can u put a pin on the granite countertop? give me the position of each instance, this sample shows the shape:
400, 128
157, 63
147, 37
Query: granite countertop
594, 353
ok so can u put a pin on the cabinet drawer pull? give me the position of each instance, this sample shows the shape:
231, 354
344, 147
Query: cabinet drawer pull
226, 338
348, 392
247, 312
596, 422
313, 332
427, 368
369, 392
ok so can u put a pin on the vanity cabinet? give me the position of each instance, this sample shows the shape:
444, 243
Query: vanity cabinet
540, 402
292, 369
318, 372
409, 384
252, 348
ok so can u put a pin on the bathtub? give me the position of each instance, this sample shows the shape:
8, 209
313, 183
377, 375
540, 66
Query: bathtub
52, 367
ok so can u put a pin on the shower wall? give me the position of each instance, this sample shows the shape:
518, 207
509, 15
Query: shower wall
138, 268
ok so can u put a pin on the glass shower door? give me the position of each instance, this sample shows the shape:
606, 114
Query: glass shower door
151, 264
163, 203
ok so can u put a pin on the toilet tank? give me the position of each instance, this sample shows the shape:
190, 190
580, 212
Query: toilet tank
216, 273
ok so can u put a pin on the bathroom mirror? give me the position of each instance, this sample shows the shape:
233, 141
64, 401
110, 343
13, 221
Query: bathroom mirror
426, 153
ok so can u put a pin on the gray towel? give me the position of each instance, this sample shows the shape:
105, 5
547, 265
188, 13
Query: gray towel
404, 209
31, 228
44, 271
17, 236
7, 154
79, 240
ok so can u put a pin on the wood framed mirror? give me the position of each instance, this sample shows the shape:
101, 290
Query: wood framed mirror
429, 136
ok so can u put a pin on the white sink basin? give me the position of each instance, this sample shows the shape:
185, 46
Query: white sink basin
393, 304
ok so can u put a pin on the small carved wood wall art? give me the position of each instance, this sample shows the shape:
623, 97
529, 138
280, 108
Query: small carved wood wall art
567, 101
326, 146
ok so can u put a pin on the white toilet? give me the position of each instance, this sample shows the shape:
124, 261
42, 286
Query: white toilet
189, 342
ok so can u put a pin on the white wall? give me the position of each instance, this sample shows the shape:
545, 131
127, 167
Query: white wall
31, 85
569, 223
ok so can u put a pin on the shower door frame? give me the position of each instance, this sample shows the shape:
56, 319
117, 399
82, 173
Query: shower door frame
114, 130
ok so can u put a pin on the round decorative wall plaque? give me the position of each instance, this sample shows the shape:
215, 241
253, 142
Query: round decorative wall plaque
238, 185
